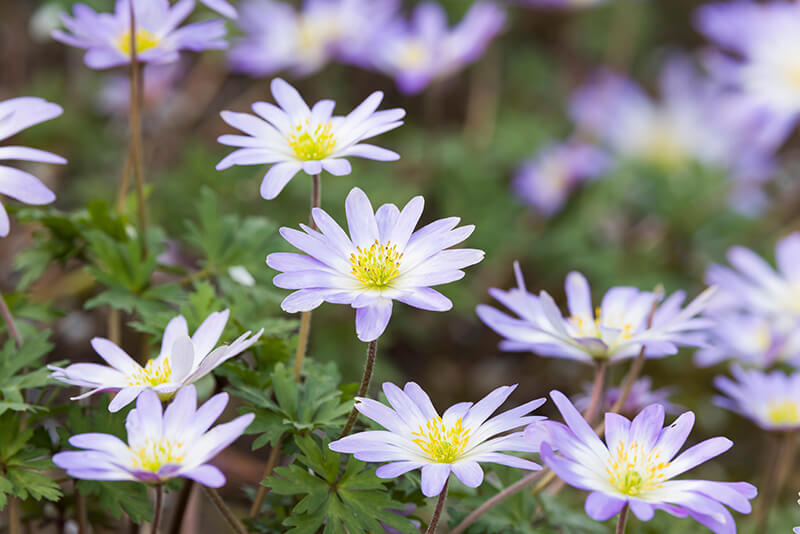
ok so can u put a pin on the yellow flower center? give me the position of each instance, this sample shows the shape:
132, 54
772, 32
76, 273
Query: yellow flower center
792, 73
783, 412
153, 374
663, 148
145, 40
376, 266
312, 143
414, 54
633, 471
591, 327
155, 454
443, 445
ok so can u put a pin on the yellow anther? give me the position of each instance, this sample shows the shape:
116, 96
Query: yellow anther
145, 40
376, 266
155, 454
441, 444
153, 374
312, 143
785, 412
633, 471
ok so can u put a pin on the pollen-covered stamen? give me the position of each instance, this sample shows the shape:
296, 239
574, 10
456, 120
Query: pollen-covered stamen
591, 327
153, 374
633, 471
145, 40
441, 444
376, 266
312, 142
783, 412
155, 454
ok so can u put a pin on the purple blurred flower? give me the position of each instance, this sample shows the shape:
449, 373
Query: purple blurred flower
753, 339
106, 36
635, 466
182, 361
423, 50
546, 180
295, 137
640, 396
16, 115
277, 37
158, 83
694, 122
615, 331
464, 436
771, 400
764, 40
382, 260
160, 447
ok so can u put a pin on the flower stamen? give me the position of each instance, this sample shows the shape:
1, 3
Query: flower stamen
153, 374
441, 444
783, 412
155, 454
376, 266
312, 143
145, 40
633, 471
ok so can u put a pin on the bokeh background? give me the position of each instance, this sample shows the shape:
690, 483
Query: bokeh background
465, 139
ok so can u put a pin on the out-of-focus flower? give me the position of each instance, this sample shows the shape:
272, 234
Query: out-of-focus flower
765, 39
693, 122
464, 436
295, 137
222, 7
107, 36
546, 180
753, 339
382, 260
423, 50
160, 447
158, 84
16, 115
771, 400
617, 330
635, 466
182, 361
241, 275
640, 396
276, 37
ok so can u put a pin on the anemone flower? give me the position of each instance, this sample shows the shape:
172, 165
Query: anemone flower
464, 436
106, 37
617, 330
382, 260
771, 400
295, 137
182, 361
636, 464
16, 115
177, 443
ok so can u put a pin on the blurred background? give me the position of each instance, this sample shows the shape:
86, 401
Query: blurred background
496, 137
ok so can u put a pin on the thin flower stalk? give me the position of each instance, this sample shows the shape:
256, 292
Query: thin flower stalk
135, 150
622, 520
437, 512
369, 365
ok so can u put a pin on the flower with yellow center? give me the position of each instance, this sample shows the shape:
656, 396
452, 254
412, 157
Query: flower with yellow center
312, 142
145, 40
770, 399
417, 437
636, 465
376, 266
161, 446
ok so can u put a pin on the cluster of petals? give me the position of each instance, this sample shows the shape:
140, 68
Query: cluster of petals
619, 329
161, 446
458, 441
548, 179
106, 37
278, 37
636, 465
382, 260
16, 115
294, 137
182, 361
769, 399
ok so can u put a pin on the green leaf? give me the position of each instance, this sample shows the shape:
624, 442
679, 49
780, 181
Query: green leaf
117, 497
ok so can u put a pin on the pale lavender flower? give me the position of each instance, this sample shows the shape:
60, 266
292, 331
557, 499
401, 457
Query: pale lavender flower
295, 137
177, 443
753, 339
636, 465
458, 441
277, 37
754, 286
548, 179
182, 361
640, 396
764, 41
16, 115
694, 121
425, 49
382, 260
617, 330
106, 36
222, 7
771, 400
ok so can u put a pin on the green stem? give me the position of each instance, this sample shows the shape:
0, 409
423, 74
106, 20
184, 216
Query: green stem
372, 349
438, 511
136, 127
622, 519
272, 461
226, 512
159, 506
